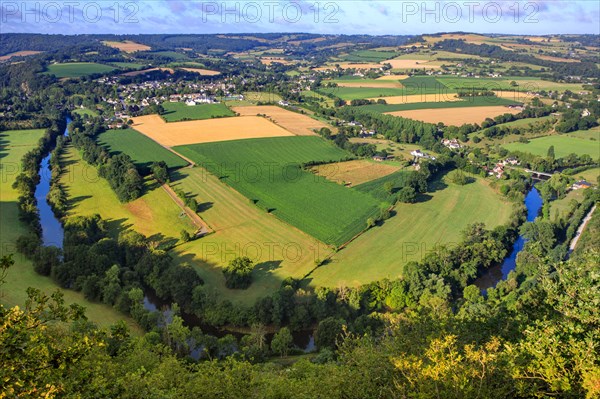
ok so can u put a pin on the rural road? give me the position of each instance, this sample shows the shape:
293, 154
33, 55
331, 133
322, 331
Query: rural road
581, 227
203, 228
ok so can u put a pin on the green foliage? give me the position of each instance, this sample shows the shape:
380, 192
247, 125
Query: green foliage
282, 341
238, 273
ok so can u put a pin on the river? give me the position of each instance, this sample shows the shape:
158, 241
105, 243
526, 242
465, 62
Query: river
52, 229
533, 203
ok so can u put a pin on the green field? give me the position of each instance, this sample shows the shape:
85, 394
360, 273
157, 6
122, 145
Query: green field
563, 146
355, 93
560, 207
13, 145
367, 56
172, 55
175, 112
424, 85
154, 214
85, 111
523, 84
412, 232
267, 171
376, 187
128, 65
142, 150
469, 102
77, 69
591, 134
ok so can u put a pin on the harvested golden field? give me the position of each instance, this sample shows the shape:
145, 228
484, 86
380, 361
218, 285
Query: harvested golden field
455, 116
354, 173
127, 46
519, 96
204, 72
207, 130
271, 60
556, 59
18, 54
410, 64
393, 77
346, 65
136, 73
298, 124
419, 98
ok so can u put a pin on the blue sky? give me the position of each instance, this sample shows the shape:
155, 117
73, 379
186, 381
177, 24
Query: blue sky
322, 16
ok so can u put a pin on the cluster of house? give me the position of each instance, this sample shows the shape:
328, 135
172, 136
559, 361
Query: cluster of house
453, 144
418, 154
498, 169
193, 98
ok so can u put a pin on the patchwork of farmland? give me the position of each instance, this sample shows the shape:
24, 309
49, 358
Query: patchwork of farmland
457, 103
142, 150
206, 131
268, 172
175, 112
127, 46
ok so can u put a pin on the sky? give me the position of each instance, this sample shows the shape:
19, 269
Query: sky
388, 17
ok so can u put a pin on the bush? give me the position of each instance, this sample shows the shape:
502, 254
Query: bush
238, 274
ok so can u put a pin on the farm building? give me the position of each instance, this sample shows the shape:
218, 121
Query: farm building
578, 185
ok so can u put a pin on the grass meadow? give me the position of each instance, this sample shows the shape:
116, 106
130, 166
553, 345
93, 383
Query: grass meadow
142, 150
175, 112
415, 229
564, 145
77, 69
268, 172
469, 102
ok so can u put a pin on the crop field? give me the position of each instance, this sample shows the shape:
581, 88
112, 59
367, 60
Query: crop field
13, 145
563, 146
398, 150
142, 150
268, 172
298, 124
505, 83
154, 214
454, 116
355, 172
457, 103
175, 112
127, 46
206, 131
77, 69
375, 83
242, 229
393, 77
420, 98
412, 232
424, 85
376, 188
18, 54
202, 71
355, 93
411, 64
128, 65
368, 56
349, 65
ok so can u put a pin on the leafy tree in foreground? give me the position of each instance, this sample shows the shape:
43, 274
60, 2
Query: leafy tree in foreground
238, 274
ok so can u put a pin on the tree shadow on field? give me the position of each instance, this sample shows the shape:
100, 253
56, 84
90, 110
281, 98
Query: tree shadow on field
204, 206
438, 184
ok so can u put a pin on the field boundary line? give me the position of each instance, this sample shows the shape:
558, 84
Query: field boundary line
203, 227
189, 161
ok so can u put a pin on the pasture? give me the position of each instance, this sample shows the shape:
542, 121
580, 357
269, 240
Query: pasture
126, 46
523, 84
142, 150
154, 214
354, 172
294, 122
206, 131
420, 98
202, 71
411, 64
374, 83
143, 71
415, 229
368, 56
175, 112
268, 172
85, 111
25, 53
242, 229
564, 144
13, 145
454, 116
77, 69
355, 93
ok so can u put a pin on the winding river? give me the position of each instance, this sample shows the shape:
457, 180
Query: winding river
52, 229
533, 203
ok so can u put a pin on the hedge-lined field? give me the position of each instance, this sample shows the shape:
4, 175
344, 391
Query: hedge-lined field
564, 145
142, 150
77, 69
268, 172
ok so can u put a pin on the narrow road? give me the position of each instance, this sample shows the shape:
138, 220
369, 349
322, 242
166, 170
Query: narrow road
581, 227
203, 228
